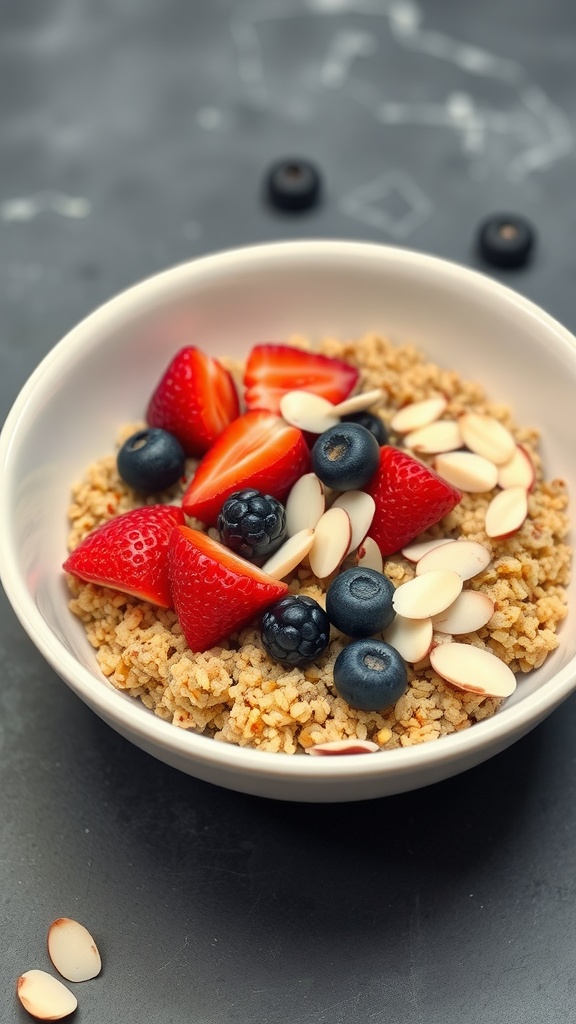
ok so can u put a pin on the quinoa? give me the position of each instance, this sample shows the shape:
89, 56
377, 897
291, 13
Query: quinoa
235, 693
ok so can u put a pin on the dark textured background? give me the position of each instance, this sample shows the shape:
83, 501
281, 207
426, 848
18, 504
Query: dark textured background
133, 135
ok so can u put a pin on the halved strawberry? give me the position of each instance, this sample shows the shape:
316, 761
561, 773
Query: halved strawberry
214, 591
273, 370
195, 400
257, 450
409, 498
130, 553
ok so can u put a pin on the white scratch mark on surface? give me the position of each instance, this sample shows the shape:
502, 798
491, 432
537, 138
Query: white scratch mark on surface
538, 131
393, 203
175, 955
26, 208
344, 48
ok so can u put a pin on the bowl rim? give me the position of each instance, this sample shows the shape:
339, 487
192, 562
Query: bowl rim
129, 715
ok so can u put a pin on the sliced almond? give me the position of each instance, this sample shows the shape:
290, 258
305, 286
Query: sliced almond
305, 504
350, 746
45, 997
518, 471
466, 557
474, 669
307, 411
471, 610
414, 552
331, 542
412, 638
289, 555
72, 950
360, 508
418, 414
441, 436
486, 436
428, 594
358, 403
467, 471
369, 555
506, 512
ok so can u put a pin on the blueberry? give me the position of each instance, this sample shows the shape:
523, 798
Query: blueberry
293, 185
370, 675
359, 602
505, 240
151, 460
371, 422
345, 457
252, 524
295, 630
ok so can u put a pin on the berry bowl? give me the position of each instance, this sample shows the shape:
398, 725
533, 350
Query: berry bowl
101, 375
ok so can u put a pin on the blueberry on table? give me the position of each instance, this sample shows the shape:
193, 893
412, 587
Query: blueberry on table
345, 457
295, 630
293, 185
371, 422
252, 524
506, 240
370, 675
151, 460
359, 602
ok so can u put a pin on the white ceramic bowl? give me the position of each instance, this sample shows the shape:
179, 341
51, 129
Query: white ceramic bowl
100, 375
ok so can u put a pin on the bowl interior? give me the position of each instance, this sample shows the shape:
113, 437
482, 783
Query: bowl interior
101, 375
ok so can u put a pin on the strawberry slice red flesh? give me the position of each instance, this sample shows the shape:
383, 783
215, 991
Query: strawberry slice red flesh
273, 370
409, 499
130, 553
195, 400
257, 450
215, 592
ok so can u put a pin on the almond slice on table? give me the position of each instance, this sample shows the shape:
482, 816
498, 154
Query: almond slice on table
428, 594
506, 512
441, 436
473, 669
289, 555
412, 638
466, 557
518, 471
331, 542
350, 746
486, 436
418, 414
44, 997
72, 950
305, 504
360, 508
467, 471
414, 552
470, 611
307, 411
358, 403
369, 555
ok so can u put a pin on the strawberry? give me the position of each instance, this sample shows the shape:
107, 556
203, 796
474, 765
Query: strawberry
130, 553
273, 370
214, 591
257, 450
195, 400
409, 498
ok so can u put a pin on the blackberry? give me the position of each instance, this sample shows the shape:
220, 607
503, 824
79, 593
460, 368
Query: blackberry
252, 524
295, 630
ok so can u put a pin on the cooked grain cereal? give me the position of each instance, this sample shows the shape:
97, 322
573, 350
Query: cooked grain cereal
236, 694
